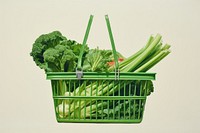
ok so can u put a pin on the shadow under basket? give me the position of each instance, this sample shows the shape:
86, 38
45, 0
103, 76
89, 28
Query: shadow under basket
100, 97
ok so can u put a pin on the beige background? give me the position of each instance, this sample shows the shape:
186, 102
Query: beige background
26, 104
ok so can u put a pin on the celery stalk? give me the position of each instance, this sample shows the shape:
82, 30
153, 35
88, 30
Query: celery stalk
131, 66
153, 61
131, 58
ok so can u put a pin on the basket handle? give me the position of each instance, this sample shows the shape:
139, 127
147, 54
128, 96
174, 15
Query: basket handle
79, 72
112, 43
79, 66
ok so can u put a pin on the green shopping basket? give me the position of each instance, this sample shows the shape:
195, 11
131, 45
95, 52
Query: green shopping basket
100, 97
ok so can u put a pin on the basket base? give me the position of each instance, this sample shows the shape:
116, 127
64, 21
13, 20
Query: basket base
99, 121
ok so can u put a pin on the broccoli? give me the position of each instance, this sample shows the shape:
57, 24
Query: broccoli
53, 52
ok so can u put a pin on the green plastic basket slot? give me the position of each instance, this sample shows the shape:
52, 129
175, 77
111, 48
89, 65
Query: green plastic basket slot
104, 97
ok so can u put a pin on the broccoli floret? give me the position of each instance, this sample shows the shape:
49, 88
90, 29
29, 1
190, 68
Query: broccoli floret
60, 58
51, 56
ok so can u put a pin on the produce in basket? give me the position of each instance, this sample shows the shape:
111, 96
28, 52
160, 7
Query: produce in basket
55, 53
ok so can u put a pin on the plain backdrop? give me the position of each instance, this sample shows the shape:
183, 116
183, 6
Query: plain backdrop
26, 103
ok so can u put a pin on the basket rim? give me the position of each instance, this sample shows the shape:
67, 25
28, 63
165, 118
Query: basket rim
101, 76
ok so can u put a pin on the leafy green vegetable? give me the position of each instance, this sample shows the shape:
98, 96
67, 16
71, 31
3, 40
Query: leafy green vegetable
97, 60
122, 110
